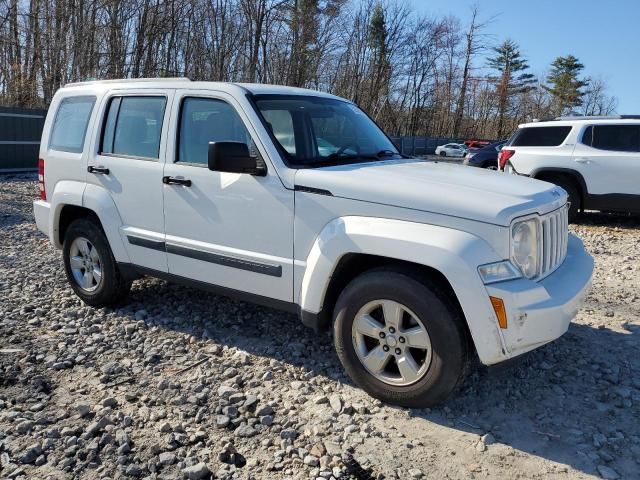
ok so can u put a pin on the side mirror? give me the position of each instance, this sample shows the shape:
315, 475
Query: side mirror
233, 157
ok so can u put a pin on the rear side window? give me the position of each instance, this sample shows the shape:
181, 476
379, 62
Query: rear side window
133, 126
539, 136
70, 124
618, 138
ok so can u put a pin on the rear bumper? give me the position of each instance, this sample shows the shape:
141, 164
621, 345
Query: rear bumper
540, 312
41, 211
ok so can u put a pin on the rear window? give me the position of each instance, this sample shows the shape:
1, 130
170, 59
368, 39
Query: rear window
539, 136
70, 124
133, 126
618, 138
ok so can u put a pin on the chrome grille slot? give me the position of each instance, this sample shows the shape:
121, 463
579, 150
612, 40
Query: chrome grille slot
554, 240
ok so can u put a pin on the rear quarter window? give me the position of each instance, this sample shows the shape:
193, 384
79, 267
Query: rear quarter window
540, 136
70, 124
617, 138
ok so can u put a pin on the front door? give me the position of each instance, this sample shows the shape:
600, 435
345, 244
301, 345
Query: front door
230, 230
128, 163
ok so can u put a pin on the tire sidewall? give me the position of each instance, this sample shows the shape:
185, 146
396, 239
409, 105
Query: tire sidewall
573, 197
93, 233
447, 341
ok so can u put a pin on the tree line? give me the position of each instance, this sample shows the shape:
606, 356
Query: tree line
415, 74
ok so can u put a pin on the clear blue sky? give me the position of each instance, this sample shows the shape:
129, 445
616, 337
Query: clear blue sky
603, 34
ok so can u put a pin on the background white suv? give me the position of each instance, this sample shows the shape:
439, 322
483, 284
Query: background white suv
595, 159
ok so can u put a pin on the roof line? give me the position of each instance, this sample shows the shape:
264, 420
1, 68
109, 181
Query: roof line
120, 80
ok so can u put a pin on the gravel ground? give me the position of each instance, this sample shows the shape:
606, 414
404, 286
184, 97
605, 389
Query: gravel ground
183, 384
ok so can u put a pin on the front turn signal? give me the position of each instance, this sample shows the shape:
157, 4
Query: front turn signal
501, 313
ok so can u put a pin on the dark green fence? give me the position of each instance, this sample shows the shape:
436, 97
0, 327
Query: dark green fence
20, 130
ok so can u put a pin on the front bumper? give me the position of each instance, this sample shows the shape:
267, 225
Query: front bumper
538, 312
41, 214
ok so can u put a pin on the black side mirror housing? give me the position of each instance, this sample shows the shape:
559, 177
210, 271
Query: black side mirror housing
234, 157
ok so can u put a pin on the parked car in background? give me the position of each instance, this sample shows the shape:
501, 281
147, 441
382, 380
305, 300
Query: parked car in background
213, 185
451, 150
476, 144
485, 157
595, 159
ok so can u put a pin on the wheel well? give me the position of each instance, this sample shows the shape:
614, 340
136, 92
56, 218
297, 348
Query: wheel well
70, 213
553, 176
354, 264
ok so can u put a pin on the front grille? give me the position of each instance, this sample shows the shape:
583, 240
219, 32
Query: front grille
555, 229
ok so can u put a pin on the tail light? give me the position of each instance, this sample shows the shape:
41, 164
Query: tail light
43, 193
503, 158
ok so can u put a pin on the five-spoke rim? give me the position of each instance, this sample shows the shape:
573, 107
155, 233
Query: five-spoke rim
391, 342
86, 265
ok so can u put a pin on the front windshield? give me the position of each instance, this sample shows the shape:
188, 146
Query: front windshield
316, 131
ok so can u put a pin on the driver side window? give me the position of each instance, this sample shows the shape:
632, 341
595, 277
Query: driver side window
204, 120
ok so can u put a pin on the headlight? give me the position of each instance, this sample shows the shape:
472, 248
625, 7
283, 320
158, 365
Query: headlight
498, 272
525, 247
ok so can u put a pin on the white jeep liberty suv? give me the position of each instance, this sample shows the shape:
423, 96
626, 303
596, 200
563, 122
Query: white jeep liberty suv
295, 199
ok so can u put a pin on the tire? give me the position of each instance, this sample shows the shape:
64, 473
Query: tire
110, 288
574, 197
449, 355
443, 154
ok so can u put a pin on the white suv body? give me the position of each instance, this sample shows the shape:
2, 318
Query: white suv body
417, 265
596, 159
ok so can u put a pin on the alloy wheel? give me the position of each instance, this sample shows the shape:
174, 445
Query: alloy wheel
391, 342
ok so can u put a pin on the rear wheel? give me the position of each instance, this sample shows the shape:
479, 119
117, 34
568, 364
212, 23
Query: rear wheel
575, 199
400, 339
443, 153
90, 267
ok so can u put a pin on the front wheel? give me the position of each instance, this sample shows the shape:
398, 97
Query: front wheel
400, 339
443, 154
90, 267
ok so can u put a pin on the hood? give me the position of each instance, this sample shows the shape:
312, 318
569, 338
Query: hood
443, 188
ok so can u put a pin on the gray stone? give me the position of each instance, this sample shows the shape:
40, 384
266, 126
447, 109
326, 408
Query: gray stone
31, 453
264, 410
110, 402
311, 461
333, 449
225, 392
415, 473
222, 421
246, 431
167, 458
24, 427
266, 420
607, 473
288, 434
336, 402
196, 472
488, 439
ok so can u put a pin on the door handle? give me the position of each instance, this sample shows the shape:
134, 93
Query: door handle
582, 160
176, 181
101, 170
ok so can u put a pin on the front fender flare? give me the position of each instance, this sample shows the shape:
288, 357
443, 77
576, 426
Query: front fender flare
454, 253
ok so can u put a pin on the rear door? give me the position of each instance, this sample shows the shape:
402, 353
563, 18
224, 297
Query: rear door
128, 162
608, 157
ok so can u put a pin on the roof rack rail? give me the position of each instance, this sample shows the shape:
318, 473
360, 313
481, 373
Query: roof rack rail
134, 80
599, 117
